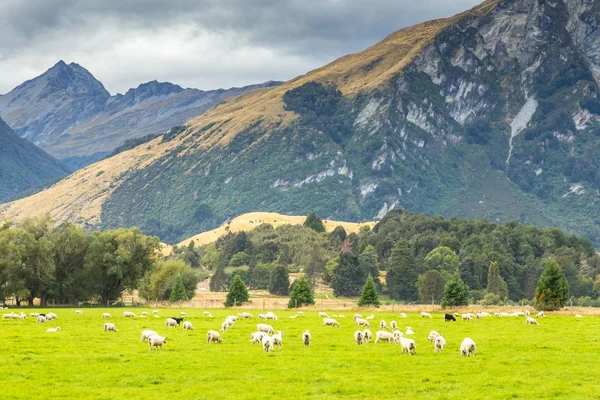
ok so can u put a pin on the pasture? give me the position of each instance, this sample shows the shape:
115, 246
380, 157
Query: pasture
557, 359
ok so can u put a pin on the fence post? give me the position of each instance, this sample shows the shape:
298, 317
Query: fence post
263, 304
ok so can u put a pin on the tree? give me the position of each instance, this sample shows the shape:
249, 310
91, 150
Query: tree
368, 296
495, 283
456, 293
315, 266
280, 281
302, 293
70, 245
402, 272
337, 237
347, 277
552, 289
444, 260
238, 294
261, 276
159, 280
218, 281
367, 261
314, 222
431, 286
178, 292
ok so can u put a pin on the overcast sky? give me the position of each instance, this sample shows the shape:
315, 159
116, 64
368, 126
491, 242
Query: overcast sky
205, 44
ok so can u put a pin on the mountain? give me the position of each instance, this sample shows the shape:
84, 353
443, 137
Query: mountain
493, 113
69, 113
23, 166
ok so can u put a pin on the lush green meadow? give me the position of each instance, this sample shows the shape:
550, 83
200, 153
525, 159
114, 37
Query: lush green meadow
556, 359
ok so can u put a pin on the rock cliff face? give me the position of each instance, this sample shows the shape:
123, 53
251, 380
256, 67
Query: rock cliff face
489, 114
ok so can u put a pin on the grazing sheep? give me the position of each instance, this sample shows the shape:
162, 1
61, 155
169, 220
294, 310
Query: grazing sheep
171, 323
206, 313
22, 316
187, 326
368, 336
485, 314
425, 315
224, 326
384, 336
496, 314
357, 316
449, 317
300, 313
527, 313
182, 314
230, 321
179, 320
246, 315
267, 343
504, 314
106, 315
156, 341
397, 335
53, 329
341, 316
402, 315
51, 316
213, 336
432, 336
323, 315
409, 331
478, 316
233, 318
272, 316
78, 311
520, 314
359, 337
256, 337
262, 316
466, 317
362, 322
371, 316
34, 314
439, 344
146, 335
41, 319
109, 327
335, 316
541, 314
531, 321
144, 314
330, 322
129, 314
578, 316
306, 337
155, 311
7, 316
383, 325
393, 325
408, 345
265, 328
278, 339
467, 347
293, 316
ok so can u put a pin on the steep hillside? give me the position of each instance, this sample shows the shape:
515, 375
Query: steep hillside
68, 113
492, 113
24, 166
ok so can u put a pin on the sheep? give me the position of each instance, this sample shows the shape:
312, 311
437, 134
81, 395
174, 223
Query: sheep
409, 331
478, 316
156, 341
146, 335
224, 326
357, 316
306, 337
402, 315
246, 315
485, 314
341, 316
206, 313
383, 325
129, 314
51, 316
182, 314
439, 344
300, 313
230, 321
233, 318
262, 316
384, 336
265, 328
393, 325
449, 317
272, 316
541, 314
432, 336
78, 311
371, 316
359, 337
531, 321
323, 315
466, 317
144, 314
362, 322
504, 314
256, 337
155, 311
368, 336
108, 327
22, 316
213, 336
171, 323
179, 320
41, 319
106, 315
425, 315
267, 343
34, 314
467, 347
187, 326
456, 314
330, 322
53, 329
397, 335
496, 314
578, 316
293, 316
408, 345
278, 339
527, 313
334, 316
520, 314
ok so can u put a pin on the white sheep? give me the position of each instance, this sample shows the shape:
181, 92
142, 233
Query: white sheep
265, 328
300, 313
206, 313
504, 314
367, 335
531, 321
256, 337
432, 336
466, 317
393, 325
267, 343
155, 311
578, 316
341, 316
397, 335
53, 329
230, 322
402, 315
425, 315
478, 316
51, 316
541, 314
8, 316
172, 323
330, 322
144, 314
187, 326
278, 339
272, 316
439, 344
362, 322
34, 314
78, 311
106, 315
408, 345
306, 337
233, 318
129, 314
409, 331
182, 314
357, 316
213, 336
146, 335
485, 314
467, 347
527, 313
323, 315
108, 327
262, 316
383, 325
22, 316
359, 337
371, 316
246, 315
224, 326
156, 341
41, 319
384, 336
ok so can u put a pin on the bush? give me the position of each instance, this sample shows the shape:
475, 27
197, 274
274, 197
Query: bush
238, 294
491, 299
302, 294
314, 222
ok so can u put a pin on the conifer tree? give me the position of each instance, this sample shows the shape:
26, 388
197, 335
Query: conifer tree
314, 222
302, 293
402, 272
456, 293
178, 292
280, 281
495, 282
238, 294
369, 296
552, 289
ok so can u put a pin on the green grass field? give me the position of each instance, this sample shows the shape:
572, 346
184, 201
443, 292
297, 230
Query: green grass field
558, 359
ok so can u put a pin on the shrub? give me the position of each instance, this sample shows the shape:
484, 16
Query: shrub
238, 294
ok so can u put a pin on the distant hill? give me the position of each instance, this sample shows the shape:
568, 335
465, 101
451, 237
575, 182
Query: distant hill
24, 166
68, 112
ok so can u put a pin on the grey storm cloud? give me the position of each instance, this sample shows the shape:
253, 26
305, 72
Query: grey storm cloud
197, 43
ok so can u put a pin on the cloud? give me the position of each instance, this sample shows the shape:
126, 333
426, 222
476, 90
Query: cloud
197, 43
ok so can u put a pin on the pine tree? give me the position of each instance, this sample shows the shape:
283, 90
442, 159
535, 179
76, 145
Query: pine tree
495, 282
280, 281
218, 281
552, 289
314, 222
368, 296
456, 293
302, 293
238, 294
347, 276
178, 292
402, 272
